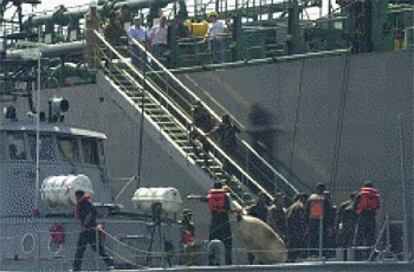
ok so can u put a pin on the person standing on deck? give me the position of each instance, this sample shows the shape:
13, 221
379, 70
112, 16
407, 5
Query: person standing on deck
138, 33
219, 205
158, 36
86, 213
215, 37
316, 210
367, 203
92, 23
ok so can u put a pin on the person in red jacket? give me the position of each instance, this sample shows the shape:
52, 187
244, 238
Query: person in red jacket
219, 205
367, 203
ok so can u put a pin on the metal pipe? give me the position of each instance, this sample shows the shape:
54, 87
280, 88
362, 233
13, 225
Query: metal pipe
52, 50
63, 16
37, 186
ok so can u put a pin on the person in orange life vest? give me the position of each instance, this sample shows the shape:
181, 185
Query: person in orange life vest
86, 213
219, 206
366, 204
316, 207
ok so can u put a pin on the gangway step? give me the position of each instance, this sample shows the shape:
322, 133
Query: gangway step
172, 125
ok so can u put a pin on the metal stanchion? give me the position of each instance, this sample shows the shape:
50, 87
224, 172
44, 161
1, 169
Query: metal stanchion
37, 250
162, 238
97, 248
320, 237
403, 187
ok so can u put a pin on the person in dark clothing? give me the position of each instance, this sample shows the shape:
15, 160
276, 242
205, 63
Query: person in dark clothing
201, 117
181, 30
260, 209
366, 204
86, 212
226, 133
329, 222
296, 227
276, 216
345, 222
316, 215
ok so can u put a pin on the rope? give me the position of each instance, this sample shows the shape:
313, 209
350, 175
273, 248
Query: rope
113, 253
295, 127
339, 126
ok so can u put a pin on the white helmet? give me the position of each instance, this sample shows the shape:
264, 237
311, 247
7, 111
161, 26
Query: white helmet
92, 4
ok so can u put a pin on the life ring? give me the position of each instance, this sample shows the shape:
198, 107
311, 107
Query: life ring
57, 234
53, 247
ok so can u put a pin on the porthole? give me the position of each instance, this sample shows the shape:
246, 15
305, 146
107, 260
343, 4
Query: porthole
28, 243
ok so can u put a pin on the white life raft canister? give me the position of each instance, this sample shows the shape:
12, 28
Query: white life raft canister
169, 198
60, 190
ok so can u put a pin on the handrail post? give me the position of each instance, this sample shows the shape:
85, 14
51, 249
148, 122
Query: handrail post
97, 248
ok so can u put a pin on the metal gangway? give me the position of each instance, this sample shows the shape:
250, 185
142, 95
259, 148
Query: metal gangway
166, 103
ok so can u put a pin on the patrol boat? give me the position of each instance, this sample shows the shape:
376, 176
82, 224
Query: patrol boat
39, 231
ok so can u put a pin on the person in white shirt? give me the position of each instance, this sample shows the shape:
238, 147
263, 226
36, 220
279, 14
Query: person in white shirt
215, 35
138, 33
158, 37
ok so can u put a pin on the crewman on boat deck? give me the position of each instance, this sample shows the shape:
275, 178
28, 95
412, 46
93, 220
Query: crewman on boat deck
345, 222
316, 208
219, 206
188, 239
367, 203
260, 208
276, 216
86, 212
296, 227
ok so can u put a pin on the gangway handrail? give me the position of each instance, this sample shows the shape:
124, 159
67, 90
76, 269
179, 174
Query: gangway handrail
196, 98
251, 149
134, 69
184, 116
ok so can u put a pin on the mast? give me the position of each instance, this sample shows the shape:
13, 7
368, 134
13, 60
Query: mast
37, 184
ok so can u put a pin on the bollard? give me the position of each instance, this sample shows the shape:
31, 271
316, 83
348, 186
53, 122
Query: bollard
216, 252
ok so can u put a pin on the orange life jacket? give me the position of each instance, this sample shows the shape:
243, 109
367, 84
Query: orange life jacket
369, 200
216, 199
317, 206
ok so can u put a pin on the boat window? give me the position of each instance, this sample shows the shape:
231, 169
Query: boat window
68, 148
16, 146
46, 149
90, 151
